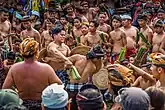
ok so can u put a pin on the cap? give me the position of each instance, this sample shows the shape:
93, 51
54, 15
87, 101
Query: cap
126, 17
54, 96
133, 99
9, 96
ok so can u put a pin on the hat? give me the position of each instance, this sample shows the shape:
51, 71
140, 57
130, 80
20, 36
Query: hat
9, 96
54, 96
133, 99
82, 50
100, 79
158, 59
119, 75
126, 17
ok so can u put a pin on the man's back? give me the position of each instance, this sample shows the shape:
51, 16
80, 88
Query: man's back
30, 79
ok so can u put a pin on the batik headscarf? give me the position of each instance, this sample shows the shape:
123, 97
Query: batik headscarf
96, 52
120, 75
158, 59
29, 47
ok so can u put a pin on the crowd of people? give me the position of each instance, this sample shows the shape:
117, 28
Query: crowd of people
82, 55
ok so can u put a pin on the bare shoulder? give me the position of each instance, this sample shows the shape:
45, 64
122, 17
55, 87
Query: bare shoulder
44, 65
149, 30
50, 44
16, 66
66, 46
35, 31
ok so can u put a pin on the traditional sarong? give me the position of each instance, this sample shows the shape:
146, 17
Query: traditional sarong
32, 104
5, 50
63, 76
73, 90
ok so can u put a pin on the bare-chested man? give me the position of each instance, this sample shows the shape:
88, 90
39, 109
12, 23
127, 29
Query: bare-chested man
46, 38
30, 31
86, 67
142, 82
93, 37
158, 37
84, 30
57, 53
30, 77
5, 28
145, 29
77, 28
117, 38
102, 25
131, 33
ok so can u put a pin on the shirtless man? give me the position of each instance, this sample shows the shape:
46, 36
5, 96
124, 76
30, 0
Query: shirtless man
93, 37
157, 70
30, 31
77, 28
158, 37
45, 36
117, 38
142, 82
58, 52
102, 25
5, 28
145, 29
84, 30
86, 67
30, 77
131, 33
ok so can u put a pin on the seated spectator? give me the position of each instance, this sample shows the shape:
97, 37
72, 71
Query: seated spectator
90, 98
9, 96
133, 99
157, 98
54, 97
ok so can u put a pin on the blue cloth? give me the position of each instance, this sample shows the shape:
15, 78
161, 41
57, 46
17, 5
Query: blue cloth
63, 76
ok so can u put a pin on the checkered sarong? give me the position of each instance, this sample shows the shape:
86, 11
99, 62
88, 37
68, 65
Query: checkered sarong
63, 76
74, 87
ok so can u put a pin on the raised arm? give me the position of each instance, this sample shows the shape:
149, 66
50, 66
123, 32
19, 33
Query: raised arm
142, 73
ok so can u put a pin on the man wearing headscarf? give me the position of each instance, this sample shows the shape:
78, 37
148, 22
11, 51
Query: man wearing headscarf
30, 77
86, 67
157, 69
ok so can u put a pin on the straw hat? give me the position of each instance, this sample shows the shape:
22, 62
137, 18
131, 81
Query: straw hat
82, 50
100, 79
42, 55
